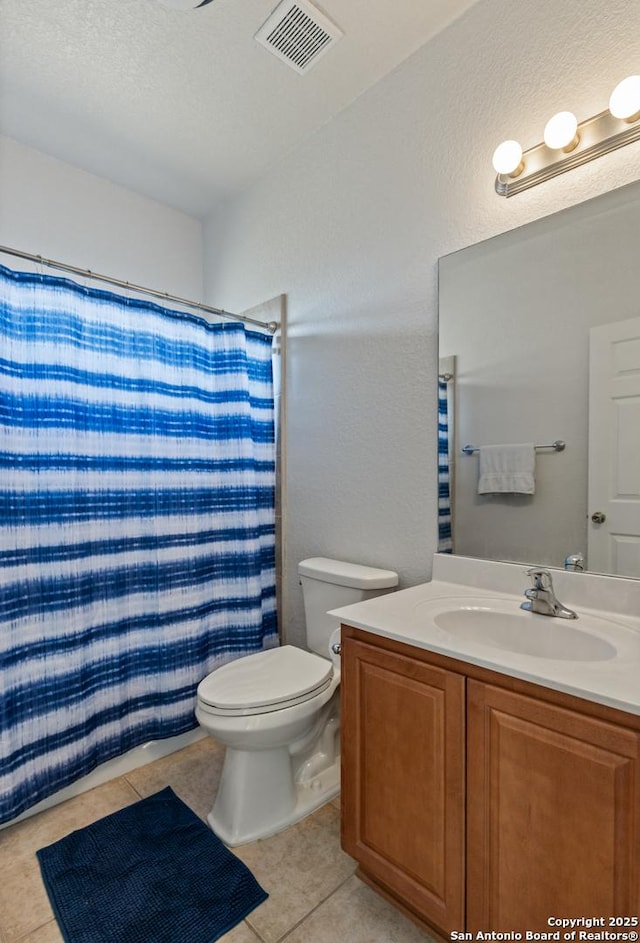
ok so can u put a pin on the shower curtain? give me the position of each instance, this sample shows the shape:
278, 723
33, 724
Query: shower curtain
445, 544
136, 522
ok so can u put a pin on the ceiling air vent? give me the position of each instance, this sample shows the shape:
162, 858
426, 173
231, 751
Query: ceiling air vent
298, 33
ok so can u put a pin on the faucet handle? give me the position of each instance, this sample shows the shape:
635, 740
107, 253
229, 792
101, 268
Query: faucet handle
542, 596
541, 578
575, 561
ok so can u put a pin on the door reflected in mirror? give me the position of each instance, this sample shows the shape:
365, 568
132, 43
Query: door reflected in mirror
544, 326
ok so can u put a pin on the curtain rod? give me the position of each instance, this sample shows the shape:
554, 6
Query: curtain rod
271, 326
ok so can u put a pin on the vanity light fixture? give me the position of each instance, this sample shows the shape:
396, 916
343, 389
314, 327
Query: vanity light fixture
568, 144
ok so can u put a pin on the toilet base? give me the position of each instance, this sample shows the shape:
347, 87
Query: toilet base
238, 820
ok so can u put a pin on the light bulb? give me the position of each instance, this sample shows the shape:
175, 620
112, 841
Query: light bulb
560, 132
507, 158
625, 99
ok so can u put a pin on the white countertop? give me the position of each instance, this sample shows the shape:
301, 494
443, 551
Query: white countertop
404, 616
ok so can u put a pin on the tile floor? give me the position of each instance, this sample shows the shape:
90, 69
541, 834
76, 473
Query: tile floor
314, 895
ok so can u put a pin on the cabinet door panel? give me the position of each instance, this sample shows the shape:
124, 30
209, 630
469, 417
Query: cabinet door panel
403, 778
552, 815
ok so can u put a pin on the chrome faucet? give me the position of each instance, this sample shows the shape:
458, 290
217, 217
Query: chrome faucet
574, 562
542, 598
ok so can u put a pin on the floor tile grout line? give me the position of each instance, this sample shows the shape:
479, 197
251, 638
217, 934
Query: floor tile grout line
312, 911
25, 936
129, 783
253, 932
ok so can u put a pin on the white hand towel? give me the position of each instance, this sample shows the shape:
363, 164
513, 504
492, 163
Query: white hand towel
507, 469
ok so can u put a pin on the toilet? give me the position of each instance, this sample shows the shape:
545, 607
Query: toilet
278, 712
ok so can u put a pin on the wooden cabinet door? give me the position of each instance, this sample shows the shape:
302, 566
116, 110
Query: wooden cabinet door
553, 813
402, 745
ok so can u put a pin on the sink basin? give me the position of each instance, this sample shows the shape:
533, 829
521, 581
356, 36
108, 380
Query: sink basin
499, 623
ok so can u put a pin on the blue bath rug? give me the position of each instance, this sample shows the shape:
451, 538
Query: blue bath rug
150, 873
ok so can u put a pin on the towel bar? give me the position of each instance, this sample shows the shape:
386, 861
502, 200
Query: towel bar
557, 446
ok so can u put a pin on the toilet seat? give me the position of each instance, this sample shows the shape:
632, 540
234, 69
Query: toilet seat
267, 681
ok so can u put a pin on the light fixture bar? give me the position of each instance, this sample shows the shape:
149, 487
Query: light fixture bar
597, 136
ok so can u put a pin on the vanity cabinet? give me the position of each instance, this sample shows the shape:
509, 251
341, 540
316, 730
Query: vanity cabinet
402, 800
476, 801
553, 812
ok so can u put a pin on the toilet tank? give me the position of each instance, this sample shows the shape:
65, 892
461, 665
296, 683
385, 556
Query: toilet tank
327, 584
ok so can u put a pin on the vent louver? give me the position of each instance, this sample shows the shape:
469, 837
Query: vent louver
298, 34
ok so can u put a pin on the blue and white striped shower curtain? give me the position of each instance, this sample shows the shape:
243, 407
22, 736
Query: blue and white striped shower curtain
445, 544
136, 522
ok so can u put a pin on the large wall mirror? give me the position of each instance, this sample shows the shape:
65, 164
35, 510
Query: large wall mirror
540, 334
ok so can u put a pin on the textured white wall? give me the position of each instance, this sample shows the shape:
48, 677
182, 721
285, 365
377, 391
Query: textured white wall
52, 209
351, 225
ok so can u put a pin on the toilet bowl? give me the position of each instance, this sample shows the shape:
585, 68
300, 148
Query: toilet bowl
276, 771
277, 713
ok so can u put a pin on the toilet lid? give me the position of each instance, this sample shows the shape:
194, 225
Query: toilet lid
266, 679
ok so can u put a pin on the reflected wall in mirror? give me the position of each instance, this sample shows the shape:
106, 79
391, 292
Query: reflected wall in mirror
544, 325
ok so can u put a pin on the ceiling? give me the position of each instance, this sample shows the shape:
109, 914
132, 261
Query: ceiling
186, 107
